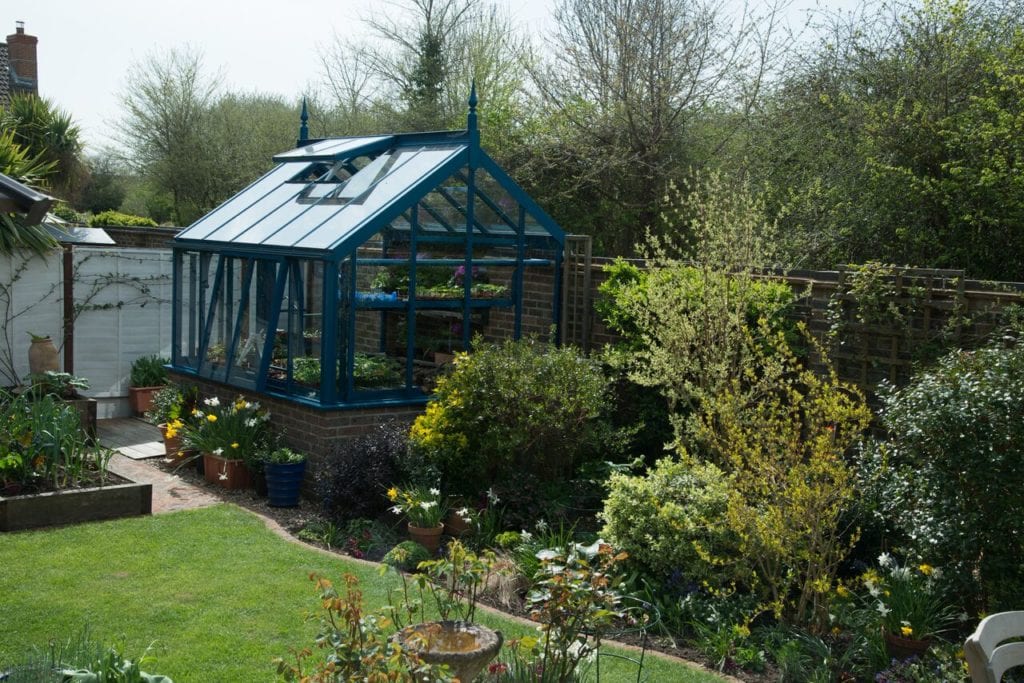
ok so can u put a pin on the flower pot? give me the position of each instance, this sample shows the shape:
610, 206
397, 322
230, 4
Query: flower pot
231, 474
43, 356
141, 399
429, 538
464, 646
172, 445
456, 526
900, 647
284, 483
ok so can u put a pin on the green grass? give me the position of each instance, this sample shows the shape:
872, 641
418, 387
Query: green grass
217, 593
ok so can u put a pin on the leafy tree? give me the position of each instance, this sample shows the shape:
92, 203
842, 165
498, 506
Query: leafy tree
949, 475
167, 100
899, 139
105, 189
688, 317
192, 143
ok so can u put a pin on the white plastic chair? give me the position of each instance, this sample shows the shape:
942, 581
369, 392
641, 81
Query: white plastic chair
987, 660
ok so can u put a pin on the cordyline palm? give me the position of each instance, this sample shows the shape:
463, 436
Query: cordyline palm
15, 162
49, 134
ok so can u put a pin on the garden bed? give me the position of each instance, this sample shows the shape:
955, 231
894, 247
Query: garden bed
72, 506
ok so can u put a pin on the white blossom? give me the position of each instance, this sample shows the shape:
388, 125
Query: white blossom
885, 559
218, 451
435, 492
882, 609
213, 402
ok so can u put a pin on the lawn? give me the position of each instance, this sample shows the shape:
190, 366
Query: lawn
216, 592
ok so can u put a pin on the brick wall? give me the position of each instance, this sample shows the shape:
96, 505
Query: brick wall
310, 430
146, 238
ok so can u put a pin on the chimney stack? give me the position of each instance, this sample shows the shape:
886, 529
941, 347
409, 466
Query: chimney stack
21, 49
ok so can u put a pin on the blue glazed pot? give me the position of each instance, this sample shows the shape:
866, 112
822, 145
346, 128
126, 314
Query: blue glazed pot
284, 483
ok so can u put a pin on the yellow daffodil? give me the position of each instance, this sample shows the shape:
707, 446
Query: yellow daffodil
392, 493
926, 569
906, 631
234, 444
211, 418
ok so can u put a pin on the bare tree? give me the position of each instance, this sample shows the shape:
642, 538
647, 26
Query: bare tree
417, 72
632, 77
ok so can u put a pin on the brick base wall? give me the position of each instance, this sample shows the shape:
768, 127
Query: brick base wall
303, 428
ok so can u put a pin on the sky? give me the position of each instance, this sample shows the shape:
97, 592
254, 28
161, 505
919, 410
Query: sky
86, 47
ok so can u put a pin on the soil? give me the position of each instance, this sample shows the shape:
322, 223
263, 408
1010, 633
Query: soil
293, 520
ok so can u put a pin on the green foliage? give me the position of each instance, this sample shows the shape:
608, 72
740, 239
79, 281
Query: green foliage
43, 444
948, 476
49, 134
673, 519
458, 580
80, 659
424, 507
31, 170
687, 317
575, 600
905, 600
782, 439
514, 406
942, 663
283, 456
406, 556
118, 219
354, 643
64, 211
369, 370
169, 403
62, 385
149, 371
236, 429
897, 139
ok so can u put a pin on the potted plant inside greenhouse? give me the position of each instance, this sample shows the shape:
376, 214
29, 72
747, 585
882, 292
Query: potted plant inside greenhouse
148, 375
284, 470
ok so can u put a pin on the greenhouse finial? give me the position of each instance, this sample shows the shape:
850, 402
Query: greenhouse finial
303, 121
471, 119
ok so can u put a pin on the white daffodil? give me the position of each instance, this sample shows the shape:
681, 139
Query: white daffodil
435, 492
882, 609
218, 451
884, 560
213, 401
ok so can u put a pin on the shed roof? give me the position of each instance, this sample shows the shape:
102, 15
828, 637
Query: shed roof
327, 197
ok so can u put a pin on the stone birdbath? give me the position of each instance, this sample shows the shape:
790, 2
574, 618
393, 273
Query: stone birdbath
464, 646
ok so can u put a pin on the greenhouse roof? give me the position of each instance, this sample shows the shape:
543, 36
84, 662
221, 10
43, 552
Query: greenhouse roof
327, 197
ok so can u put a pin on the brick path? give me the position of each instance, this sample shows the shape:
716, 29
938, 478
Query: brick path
136, 437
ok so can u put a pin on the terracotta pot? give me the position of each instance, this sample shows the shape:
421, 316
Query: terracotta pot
902, 648
43, 356
429, 538
231, 474
464, 646
172, 445
456, 526
141, 399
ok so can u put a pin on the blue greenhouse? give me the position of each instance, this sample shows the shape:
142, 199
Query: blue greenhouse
348, 274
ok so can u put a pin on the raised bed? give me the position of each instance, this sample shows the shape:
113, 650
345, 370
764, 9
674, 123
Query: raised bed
75, 505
